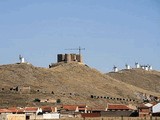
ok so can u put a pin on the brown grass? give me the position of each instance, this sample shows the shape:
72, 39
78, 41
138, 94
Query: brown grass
73, 83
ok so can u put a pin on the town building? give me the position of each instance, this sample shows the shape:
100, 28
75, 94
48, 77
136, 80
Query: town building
144, 110
156, 110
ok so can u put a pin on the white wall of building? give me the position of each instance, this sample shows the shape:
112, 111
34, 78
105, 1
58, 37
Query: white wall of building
51, 116
156, 108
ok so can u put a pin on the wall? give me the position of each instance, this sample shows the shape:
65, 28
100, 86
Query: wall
112, 118
3, 116
36, 117
116, 113
24, 90
51, 116
105, 118
69, 58
16, 117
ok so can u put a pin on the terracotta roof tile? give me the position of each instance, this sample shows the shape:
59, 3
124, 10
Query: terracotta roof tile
142, 106
5, 111
82, 106
70, 107
98, 109
31, 109
13, 110
46, 109
117, 107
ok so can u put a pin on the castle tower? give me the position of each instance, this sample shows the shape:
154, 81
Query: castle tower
67, 57
60, 57
73, 57
79, 58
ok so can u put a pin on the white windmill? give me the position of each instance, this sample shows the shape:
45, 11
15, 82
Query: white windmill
21, 58
137, 65
128, 67
146, 67
150, 67
115, 69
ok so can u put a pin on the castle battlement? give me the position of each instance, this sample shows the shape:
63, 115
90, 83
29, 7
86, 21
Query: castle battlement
69, 58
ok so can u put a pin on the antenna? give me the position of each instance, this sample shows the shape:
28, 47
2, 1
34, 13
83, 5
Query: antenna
79, 49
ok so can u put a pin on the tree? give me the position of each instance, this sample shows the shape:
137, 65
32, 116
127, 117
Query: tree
58, 101
36, 100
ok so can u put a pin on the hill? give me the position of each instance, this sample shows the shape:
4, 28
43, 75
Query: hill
72, 83
148, 80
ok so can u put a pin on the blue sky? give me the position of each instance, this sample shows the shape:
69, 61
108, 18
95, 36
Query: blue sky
113, 32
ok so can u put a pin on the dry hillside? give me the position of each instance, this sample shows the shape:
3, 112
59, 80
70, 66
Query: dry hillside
72, 83
148, 80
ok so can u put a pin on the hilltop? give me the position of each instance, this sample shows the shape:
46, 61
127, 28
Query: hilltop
148, 80
72, 83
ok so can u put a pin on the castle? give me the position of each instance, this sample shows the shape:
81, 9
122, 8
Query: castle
69, 58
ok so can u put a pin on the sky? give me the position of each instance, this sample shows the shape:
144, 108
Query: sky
113, 32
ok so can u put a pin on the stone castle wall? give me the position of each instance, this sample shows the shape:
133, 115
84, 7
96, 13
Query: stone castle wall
69, 58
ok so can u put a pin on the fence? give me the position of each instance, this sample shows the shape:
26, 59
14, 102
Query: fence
110, 118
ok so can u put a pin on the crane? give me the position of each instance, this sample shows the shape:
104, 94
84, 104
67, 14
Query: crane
79, 49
